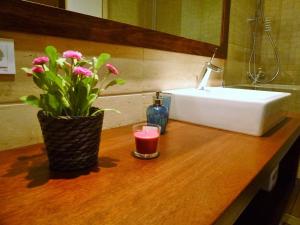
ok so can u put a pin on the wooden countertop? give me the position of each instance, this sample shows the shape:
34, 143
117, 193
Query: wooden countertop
200, 174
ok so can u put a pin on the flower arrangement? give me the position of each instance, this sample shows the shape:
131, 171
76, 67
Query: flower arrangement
70, 84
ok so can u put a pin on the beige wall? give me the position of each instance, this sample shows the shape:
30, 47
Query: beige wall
211, 21
134, 12
201, 20
168, 14
145, 70
193, 19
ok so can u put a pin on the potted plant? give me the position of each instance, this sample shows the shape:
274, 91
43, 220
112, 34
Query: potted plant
71, 126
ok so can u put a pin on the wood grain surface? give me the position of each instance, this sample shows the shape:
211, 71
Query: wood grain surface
199, 175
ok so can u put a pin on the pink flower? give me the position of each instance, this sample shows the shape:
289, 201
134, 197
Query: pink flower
72, 54
82, 71
40, 60
37, 69
112, 69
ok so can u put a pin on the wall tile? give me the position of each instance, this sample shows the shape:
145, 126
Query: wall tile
143, 69
20, 126
236, 66
132, 108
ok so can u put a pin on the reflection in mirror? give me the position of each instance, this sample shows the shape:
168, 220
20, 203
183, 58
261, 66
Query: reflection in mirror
90, 7
199, 20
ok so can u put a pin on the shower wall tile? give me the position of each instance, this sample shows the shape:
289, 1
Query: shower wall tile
239, 41
285, 23
239, 30
236, 65
285, 30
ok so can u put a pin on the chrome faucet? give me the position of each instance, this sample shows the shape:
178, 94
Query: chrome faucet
257, 77
207, 70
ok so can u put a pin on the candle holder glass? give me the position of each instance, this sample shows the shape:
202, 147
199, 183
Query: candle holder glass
146, 140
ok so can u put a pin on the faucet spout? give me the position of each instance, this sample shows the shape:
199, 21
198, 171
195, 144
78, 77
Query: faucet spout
206, 74
207, 70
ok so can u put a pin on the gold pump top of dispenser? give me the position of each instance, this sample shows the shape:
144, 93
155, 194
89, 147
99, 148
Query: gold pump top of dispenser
157, 99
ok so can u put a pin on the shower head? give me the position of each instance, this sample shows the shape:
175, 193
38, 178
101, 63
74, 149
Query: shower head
268, 24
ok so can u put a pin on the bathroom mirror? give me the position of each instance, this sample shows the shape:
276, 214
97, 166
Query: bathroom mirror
187, 26
199, 20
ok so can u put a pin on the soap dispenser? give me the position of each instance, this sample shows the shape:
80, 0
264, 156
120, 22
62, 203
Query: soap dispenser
157, 113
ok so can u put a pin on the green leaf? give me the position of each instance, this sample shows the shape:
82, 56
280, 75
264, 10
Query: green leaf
95, 80
65, 102
102, 58
58, 80
61, 61
64, 65
31, 100
83, 62
51, 104
87, 80
94, 90
53, 56
83, 91
96, 112
27, 70
91, 98
68, 80
118, 81
63, 81
39, 82
113, 110
44, 104
103, 110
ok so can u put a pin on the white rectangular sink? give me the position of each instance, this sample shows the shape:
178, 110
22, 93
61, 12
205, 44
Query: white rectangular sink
245, 111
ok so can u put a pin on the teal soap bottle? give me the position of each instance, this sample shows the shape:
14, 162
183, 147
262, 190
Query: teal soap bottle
157, 113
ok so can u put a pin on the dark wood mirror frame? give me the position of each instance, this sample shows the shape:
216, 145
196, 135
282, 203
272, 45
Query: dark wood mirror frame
17, 15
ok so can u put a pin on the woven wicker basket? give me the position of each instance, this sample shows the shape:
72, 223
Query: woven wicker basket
71, 143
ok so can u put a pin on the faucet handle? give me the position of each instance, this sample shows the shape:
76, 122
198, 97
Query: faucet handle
213, 56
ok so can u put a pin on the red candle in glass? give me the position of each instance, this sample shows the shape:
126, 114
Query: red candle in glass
146, 141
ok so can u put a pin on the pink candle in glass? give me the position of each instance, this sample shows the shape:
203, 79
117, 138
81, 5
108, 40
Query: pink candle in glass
146, 141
